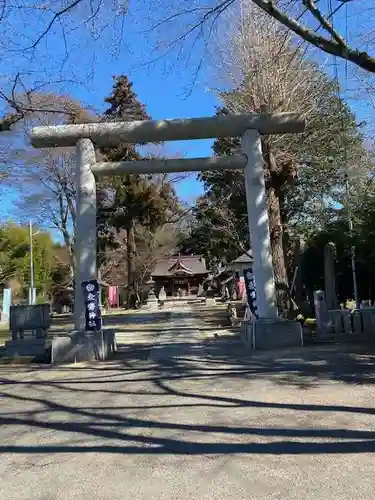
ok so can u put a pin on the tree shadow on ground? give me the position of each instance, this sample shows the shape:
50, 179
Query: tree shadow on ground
140, 318
303, 367
122, 406
226, 358
122, 433
300, 366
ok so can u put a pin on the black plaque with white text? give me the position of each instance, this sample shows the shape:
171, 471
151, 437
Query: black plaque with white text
93, 317
251, 291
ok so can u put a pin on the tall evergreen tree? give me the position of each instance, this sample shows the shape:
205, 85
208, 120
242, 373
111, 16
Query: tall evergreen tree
124, 103
139, 199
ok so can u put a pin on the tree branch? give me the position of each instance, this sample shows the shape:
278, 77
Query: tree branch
334, 45
310, 5
55, 18
361, 59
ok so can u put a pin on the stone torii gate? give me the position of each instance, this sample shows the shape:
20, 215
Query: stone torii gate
250, 127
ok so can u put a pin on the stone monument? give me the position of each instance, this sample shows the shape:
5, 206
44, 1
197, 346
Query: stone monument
7, 301
321, 313
162, 296
29, 325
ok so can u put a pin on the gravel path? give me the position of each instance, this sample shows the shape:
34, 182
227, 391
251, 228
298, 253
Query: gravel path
183, 417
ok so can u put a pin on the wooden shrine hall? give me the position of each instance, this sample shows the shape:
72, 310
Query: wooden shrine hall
180, 275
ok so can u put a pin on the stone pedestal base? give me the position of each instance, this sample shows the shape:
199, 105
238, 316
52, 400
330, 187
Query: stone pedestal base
265, 334
25, 347
83, 346
152, 303
210, 301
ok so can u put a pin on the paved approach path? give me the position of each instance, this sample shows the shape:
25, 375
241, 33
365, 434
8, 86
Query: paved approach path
181, 417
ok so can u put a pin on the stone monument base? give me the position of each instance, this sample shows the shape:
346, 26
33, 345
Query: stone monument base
152, 304
265, 334
25, 347
83, 346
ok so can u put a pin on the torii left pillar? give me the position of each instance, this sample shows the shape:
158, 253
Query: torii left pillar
85, 231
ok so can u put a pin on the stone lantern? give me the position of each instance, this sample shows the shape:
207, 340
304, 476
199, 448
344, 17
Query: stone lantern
152, 301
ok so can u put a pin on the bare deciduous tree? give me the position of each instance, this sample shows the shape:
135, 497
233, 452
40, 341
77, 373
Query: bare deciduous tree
48, 193
38, 39
225, 225
30, 105
26, 27
321, 23
44, 179
151, 246
314, 22
258, 68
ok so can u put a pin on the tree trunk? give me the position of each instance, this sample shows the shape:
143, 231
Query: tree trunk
72, 261
69, 238
298, 289
286, 239
130, 258
278, 256
280, 267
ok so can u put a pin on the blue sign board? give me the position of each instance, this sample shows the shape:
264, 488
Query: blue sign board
91, 291
251, 291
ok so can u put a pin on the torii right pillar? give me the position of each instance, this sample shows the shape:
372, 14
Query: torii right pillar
269, 331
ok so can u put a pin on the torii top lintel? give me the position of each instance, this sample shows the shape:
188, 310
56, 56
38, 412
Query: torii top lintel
113, 133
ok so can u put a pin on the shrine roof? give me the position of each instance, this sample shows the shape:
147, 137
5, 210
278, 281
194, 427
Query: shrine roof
182, 265
244, 258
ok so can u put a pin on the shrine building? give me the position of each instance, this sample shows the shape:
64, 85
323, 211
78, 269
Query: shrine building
180, 275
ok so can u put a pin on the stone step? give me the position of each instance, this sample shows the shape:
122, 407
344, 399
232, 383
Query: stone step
26, 347
16, 360
25, 351
25, 342
131, 339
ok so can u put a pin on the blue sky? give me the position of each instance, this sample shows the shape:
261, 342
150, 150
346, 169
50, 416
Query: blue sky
86, 74
163, 98
163, 102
